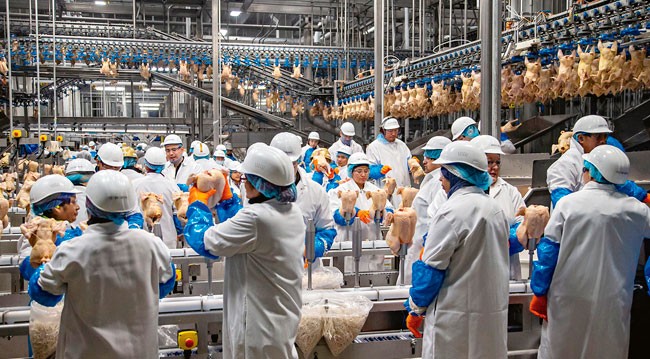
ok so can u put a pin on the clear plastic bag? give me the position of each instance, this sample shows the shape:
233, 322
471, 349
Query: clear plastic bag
323, 277
168, 336
343, 319
44, 329
310, 329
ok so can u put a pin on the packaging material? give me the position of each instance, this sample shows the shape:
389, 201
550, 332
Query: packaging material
310, 329
168, 336
323, 277
44, 329
343, 319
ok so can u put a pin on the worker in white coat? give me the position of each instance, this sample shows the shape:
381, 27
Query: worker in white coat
79, 171
428, 188
587, 263
465, 129
130, 160
313, 139
202, 159
312, 198
390, 151
358, 171
235, 181
506, 195
564, 175
112, 278
347, 133
461, 283
178, 168
154, 181
263, 244
342, 157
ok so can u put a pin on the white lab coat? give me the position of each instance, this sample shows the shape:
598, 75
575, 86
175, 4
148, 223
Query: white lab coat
187, 167
368, 263
263, 245
313, 202
158, 184
343, 172
207, 164
394, 154
510, 200
336, 146
132, 174
566, 172
428, 188
508, 147
600, 232
469, 317
82, 214
110, 277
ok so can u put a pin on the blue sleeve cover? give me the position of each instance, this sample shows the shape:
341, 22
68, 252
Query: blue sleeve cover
504, 137
69, 234
323, 241
647, 275
558, 193
199, 220
38, 294
543, 269
614, 142
178, 225
228, 208
333, 183
307, 157
135, 220
183, 187
168, 286
318, 177
390, 210
26, 269
515, 247
340, 220
633, 190
426, 283
375, 172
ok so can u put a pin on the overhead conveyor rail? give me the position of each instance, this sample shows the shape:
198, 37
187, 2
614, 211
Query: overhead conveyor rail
285, 80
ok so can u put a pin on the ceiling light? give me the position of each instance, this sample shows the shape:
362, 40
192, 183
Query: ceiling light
100, 2
235, 13
223, 32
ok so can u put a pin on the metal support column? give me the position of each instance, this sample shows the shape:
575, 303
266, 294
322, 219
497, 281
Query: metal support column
10, 109
134, 35
216, 80
379, 64
490, 29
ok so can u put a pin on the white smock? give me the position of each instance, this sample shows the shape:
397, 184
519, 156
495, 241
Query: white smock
132, 174
510, 200
207, 164
566, 172
263, 245
158, 184
469, 318
600, 232
82, 214
186, 168
428, 188
110, 277
394, 154
368, 263
336, 146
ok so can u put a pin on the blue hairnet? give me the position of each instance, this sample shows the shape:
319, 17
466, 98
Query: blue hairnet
129, 162
282, 194
201, 157
595, 173
78, 178
471, 131
117, 218
352, 167
455, 182
478, 178
51, 202
155, 168
433, 154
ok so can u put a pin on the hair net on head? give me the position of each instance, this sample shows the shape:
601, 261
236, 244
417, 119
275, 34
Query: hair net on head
269, 190
201, 157
155, 168
351, 168
85, 155
117, 218
51, 203
478, 178
130, 162
471, 131
595, 173
455, 182
432, 154
79, 178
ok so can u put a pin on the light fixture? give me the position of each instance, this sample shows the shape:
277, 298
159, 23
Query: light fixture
100, 3
223, 32
110, 88
235, 13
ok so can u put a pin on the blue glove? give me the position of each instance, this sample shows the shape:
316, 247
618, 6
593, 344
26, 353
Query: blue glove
340, 220
38, 294
178, 225
199, 220
426, 283
318, 177
515, 247
333, 183
228, 208
375, 172
183, 187
323, 240
68, 235
633, 190
165, 288
135, 220
543, 269
26, 269
558, 193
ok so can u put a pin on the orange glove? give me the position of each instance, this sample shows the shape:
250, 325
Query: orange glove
227, 193
413, 323
385, 169
538, 306
364, 216
197, 195
647, 199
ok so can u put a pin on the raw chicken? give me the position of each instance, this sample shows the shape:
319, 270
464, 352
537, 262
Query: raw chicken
41, 233
535, 220
4, 161
402, 229
563, 142
416, 169
389, 185
181, 203
151, 204
296, 72
408, 194
348, 200
276, 72
378, 198
4, 209
144, 71
208, 180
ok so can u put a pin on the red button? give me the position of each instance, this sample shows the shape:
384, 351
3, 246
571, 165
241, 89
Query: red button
189, 343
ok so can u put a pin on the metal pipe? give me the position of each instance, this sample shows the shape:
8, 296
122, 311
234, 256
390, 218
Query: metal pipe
10, 109
413, 31
392, 14
379, 64
465, 21
440, 6
134, 16
38, 71
407, 34
422, 18
216, 83
451, 12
